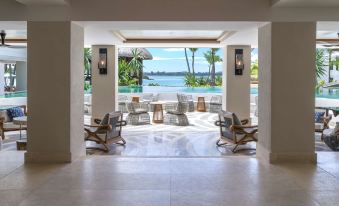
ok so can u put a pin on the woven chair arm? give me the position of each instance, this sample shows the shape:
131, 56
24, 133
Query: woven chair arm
245, 121
244, 126
122, 123
219, 123
98, 126
97, 121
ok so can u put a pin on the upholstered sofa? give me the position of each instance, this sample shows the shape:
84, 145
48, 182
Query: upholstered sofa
6, 124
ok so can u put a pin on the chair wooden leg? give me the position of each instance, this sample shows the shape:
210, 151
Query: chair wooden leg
123, 142
97, 140
220, 144
3, 135
234, 150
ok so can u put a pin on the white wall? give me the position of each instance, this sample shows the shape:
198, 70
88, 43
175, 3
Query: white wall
237, 87
103, 85
2, 78
286, 92
55, 92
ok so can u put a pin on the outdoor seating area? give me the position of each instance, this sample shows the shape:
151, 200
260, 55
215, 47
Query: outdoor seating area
175, 105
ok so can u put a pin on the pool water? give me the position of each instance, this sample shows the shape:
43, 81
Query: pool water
321, 93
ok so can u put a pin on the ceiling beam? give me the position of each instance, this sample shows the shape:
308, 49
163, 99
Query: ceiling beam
44, 2
178, 41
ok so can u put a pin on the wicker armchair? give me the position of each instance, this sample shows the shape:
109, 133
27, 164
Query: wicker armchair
6, 125
147, 99
107, 130
216, 104
122, 99
234, 131
137, 113
186, 98
177, 115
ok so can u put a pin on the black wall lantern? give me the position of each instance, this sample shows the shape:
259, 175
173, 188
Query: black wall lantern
239, 61
102, 65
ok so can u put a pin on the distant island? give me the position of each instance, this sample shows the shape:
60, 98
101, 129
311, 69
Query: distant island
158, 73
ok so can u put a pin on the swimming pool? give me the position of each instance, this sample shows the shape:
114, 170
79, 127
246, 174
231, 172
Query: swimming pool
321, 93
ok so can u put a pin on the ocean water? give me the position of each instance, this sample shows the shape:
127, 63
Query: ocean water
176, 81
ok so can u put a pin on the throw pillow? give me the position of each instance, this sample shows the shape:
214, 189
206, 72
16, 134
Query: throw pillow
318, 117
15, 112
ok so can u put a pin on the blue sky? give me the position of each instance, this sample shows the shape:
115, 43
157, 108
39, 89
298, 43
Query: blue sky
173, 60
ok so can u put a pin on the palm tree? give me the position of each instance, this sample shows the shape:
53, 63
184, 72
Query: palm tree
87, 63
320, 63
212, 58
135, 65
209, 59
213, 55
188, 65
193, 50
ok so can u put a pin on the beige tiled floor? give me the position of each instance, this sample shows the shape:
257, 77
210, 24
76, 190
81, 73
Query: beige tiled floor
108, 180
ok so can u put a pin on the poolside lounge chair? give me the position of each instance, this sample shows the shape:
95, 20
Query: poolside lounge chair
186, 98
122, 99
107, 130
321, 121
7, 125
177, 116
137, 113
216, 104
234, 131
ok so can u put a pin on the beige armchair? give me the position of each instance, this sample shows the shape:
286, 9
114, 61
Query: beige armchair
6, 124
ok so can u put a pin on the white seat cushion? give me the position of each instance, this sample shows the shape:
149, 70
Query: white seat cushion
10, 125
318, 126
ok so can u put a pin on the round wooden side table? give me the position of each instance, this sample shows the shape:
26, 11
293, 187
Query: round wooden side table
158, 114
201, 106
135, 99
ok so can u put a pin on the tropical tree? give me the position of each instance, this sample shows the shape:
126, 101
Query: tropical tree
209, 58
193, 50
125, 79
135, 66
87, 63
254, 69
321, 65
187, 62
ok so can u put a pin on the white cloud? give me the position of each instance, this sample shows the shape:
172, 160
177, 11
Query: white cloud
174, 49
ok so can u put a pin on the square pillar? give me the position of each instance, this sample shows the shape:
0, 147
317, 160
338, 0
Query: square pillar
104, 87
286, 92
236, 91
2, 78
55, 92
21, 76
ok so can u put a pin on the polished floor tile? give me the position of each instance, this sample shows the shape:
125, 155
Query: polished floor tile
109, 180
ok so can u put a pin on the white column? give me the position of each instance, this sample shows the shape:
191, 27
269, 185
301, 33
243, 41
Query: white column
237, 87
2, 78
104, 85
55, 92
286, 92
21, 76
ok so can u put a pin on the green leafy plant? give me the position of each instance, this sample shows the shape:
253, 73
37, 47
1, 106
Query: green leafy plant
321, 65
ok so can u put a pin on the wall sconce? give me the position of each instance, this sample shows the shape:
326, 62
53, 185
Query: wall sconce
102, 65
239, 61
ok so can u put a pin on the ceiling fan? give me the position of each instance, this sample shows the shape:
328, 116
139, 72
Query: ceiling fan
4, 45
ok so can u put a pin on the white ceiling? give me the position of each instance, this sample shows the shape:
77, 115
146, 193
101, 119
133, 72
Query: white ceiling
105, 32
305, 3
171, 34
